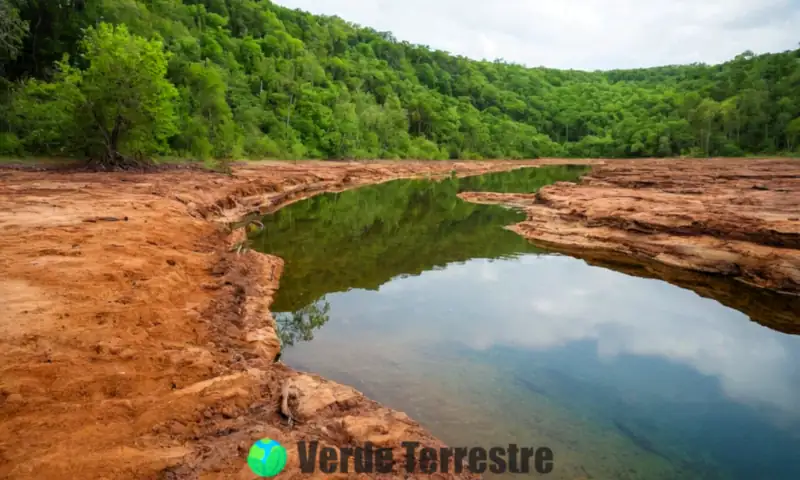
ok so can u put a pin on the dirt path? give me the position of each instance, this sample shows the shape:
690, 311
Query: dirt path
135, 344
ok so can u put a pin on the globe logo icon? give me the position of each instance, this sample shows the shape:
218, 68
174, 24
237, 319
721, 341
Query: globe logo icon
267, 458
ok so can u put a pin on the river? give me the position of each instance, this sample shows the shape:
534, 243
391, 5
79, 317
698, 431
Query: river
426, 304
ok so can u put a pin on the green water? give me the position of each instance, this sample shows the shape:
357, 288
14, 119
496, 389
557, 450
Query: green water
426, 304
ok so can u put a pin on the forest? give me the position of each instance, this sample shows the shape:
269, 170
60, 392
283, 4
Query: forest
118, 80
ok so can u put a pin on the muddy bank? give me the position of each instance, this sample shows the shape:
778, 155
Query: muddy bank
734, 218
136, 341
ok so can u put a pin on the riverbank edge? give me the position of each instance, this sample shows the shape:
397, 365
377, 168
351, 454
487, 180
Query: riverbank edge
730, 218
137, 328
300, 390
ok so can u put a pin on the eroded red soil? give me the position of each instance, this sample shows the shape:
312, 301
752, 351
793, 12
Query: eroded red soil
135, 344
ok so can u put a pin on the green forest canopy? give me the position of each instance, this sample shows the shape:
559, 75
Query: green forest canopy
234, 78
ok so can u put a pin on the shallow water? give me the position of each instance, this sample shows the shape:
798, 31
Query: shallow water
426, 304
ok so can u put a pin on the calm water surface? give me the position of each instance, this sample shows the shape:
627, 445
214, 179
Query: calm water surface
426, 304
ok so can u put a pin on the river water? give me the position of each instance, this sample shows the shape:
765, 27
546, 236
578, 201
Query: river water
427, 305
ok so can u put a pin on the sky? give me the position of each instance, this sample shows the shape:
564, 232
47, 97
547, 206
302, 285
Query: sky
580, 34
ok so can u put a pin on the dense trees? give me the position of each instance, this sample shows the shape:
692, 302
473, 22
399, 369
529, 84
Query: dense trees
12, 31
119, 106
230, 78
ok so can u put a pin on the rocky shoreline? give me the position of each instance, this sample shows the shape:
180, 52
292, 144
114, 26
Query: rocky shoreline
733, 218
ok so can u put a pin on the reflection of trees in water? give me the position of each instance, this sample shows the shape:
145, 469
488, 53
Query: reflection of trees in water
299, 326
363, 238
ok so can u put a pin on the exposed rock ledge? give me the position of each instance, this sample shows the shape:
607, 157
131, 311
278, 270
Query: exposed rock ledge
732, 218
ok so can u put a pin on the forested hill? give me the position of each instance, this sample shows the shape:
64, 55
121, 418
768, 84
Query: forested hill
234, 78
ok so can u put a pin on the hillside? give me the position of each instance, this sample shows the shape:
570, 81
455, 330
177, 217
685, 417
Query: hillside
251, 78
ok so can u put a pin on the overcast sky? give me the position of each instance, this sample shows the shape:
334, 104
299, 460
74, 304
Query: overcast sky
580, 34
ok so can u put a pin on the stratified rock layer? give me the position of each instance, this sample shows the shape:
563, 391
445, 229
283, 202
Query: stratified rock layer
730, 217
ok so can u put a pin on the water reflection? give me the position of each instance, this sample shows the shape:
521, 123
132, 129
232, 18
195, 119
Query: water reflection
546, 302
426, 304
299, 326
677, 377
363, 238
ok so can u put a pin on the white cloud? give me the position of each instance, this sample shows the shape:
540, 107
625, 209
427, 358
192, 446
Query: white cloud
581, 34
548, 302
631, 316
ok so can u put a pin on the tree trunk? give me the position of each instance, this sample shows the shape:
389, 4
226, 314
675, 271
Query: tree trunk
33, 42
113, 144
289, 115
112, 159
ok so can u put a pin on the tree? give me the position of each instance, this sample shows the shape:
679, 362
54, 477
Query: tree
793, 133
12, 32
210, 131
704, 119
128, 102
117, 111
44, 114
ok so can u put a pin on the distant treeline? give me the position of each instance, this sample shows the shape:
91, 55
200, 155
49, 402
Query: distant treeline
247, 78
